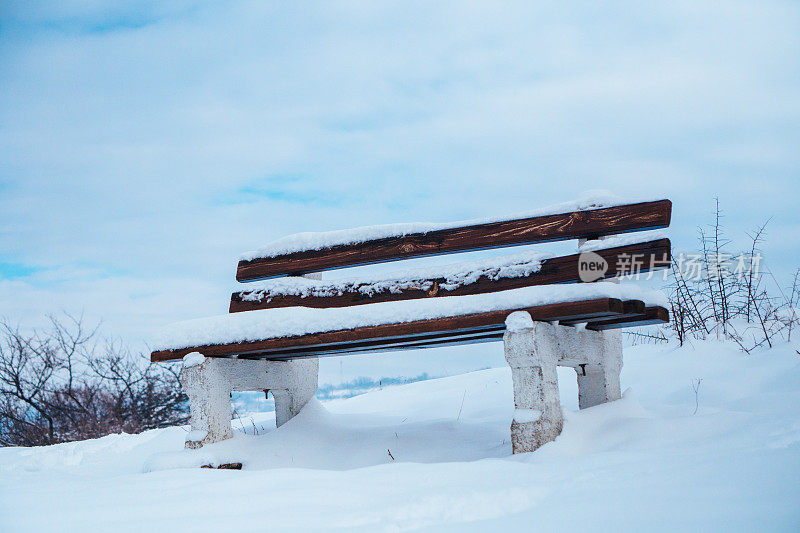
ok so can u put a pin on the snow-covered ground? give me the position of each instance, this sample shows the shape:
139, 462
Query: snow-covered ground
646, 462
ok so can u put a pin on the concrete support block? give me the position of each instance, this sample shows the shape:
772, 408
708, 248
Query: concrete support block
598, 381
532, 350
209, 395
209, 381
530, 353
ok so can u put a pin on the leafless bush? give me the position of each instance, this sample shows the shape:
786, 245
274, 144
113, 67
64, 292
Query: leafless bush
61, 384
635, 338
731, 301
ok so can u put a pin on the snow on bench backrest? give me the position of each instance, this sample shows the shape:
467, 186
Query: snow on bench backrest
313, 252
474, 277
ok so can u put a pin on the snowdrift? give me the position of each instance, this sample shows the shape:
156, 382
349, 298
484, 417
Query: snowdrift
437, 454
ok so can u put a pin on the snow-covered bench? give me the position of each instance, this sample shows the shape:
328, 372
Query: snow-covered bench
539, 305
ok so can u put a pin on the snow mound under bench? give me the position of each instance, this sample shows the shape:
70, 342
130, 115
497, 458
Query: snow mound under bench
292, 321
660, 459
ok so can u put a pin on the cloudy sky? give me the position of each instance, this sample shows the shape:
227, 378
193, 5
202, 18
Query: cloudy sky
142, 148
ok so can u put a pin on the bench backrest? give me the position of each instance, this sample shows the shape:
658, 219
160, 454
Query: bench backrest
302, 254
489, 277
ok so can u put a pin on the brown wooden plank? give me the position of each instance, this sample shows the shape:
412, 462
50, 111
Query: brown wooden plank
582, 310
441, 339
355, 344
562, 269
579, 224
449, 339
631, 308
636, 314
652, 316
488, 336
657, 315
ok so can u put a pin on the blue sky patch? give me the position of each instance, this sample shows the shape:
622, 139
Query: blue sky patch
285, 188
16, 270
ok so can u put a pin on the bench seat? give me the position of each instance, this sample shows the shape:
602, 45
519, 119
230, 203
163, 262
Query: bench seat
292, 332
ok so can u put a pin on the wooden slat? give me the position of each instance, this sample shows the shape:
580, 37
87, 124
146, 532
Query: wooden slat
579, 224
449, 339
651, 316
630, 309
636, 314
582, 310
564, 269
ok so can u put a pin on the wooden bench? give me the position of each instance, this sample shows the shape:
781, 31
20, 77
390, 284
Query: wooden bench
538, 305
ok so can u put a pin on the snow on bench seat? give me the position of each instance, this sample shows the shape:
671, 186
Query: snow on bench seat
292, 322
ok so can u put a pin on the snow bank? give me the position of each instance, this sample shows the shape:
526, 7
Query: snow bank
643, 463
196, 435
289, 321
318, 240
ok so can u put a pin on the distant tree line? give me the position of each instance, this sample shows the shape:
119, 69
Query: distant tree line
362, 384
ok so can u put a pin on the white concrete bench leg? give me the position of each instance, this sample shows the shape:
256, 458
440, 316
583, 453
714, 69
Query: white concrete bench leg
289, 401
209, 392
532, 353
598, 380
533, 349
209, 385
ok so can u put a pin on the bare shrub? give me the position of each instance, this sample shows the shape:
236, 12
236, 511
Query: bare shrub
61, 384
728, 301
